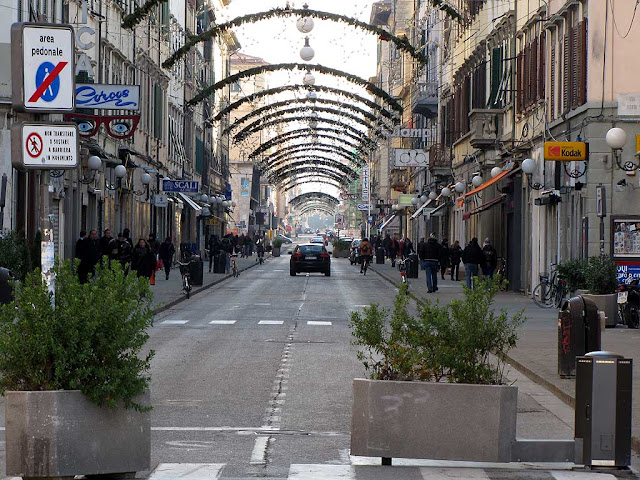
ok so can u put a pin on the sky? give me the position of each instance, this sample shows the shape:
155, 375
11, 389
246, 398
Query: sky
336, 45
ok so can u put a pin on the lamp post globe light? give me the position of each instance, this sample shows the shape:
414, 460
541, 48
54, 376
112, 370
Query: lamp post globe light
433, 195
459, 187
120, 171
476, 181
423, 198
446, 192
145, 178
94, 163
414, 201
616, 138
204, 198
306, 52
309, 79
528, 166
495, 171
312, 96
305, 24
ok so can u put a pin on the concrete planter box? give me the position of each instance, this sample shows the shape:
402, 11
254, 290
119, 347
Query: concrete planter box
62, 434
275, 251
438, 421
609, 305
341, 253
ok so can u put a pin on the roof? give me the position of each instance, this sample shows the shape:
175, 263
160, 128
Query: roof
244, 59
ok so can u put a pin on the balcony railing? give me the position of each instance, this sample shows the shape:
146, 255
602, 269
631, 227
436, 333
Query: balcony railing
425, 99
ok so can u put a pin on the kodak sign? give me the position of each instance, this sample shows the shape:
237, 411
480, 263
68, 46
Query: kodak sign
565, 151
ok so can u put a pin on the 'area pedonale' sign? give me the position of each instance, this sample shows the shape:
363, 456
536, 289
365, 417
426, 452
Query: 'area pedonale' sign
565, 151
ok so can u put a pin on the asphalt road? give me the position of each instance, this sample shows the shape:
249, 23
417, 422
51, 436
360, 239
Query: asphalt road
243, 376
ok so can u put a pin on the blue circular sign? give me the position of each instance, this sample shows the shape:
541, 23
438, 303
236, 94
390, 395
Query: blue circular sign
51, 92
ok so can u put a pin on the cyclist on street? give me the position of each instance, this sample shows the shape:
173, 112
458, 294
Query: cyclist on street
365, 250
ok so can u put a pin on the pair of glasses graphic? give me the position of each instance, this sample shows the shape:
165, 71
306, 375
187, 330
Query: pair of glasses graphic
117, 126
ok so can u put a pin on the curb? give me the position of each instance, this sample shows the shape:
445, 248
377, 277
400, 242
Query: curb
162, 308
534, 377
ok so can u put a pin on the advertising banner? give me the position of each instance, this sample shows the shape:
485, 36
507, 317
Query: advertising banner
410, 158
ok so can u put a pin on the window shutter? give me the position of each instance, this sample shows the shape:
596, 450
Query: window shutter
566, 68
575, 66
496, 76
582, 65
542, 67
533, 72
552, 86
519, 82
157, 111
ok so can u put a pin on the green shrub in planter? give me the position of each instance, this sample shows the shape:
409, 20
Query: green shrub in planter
575, 273
277, 242
91, 341
16, 255
602, 275
339, 244
451, 343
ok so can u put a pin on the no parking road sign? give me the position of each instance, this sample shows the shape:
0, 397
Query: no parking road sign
44, 146
43, 67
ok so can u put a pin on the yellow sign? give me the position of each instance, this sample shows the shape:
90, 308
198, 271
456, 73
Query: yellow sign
565, 151
637, 143
212, 222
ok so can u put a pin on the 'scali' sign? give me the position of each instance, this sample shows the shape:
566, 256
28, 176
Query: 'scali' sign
107, 97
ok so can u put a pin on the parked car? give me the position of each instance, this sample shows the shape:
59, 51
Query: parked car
310, 257
354, 254
284, 238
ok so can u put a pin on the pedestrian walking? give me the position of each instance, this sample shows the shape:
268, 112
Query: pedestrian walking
472, 257
214, 251
490, 258
240, 246
166, 253
429, 255
407, 247
80, 244
455, 255
107, 243
386, 244
444, 257
90, 257
124, 253
127, 236
143, 261
393, 250
153, 244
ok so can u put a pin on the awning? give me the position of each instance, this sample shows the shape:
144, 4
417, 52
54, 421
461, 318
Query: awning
190, 202
484, 206
495, 179
435, 210
387, 221
419, 211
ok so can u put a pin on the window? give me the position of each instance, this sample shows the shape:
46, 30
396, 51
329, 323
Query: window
158, 107
496, 67
530, 78
235, 86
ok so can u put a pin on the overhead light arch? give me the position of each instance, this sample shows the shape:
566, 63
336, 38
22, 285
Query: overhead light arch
303, 155
285, 186
309, 147
314, 196
289, 169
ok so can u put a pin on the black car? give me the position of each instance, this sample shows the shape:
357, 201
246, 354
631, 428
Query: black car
310, 257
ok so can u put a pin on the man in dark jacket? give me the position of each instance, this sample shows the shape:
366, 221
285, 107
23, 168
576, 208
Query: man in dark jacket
166, 253
429, 255
386, 244
444, 257
490, 258
394, 246
472, 257
214, 251
455, 255
105, 243
90, 257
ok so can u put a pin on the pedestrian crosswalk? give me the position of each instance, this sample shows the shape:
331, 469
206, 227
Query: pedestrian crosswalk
210, 471
178, 323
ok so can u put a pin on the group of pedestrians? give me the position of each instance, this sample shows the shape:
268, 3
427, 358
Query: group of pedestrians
394, 248
141, 258
437, 257
242, 245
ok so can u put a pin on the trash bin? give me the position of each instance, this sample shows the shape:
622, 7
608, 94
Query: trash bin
196, 270
380, 255
603, 410
6, 290
578, 333
221, 264
412, 265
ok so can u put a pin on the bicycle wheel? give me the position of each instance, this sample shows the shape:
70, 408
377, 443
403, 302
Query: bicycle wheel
558, 296
541, 295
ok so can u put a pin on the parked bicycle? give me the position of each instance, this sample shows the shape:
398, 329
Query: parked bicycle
234, 265
501, 273
186, 277
551, 291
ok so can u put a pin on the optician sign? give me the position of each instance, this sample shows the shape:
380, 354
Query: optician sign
411, 158
565, 151
108, 97
44, 146
182, 186
43, 66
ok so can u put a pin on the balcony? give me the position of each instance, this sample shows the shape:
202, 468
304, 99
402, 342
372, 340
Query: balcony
439, 159
425, 99
399, 179
486, 127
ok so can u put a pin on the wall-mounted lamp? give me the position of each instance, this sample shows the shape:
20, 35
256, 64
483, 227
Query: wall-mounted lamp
528, 167
616, 139
94, 163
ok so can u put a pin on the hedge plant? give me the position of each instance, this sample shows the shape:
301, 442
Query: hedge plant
574, 272
462, 342
602, 275
87, 337
277, 242
339, 244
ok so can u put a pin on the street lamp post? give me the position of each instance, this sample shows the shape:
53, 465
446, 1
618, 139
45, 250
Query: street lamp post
616, 138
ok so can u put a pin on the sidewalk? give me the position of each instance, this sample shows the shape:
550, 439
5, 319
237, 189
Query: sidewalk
537, 352
168, 293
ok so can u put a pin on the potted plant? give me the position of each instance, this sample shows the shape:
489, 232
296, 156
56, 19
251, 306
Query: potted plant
276, 243
602, 283
435, 388
340, 248
574, 272
73, 376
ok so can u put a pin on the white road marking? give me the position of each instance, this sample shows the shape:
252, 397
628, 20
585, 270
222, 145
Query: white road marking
318, 323
449, 473
270, 322
235, 306
278, 270
360, 306
581, 476
262, 304
187, 471
222, 322
320, 472
214, 429
174, 322
258, 456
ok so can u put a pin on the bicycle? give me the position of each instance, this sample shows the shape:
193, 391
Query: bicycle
551, 291
260, 257
366, 260
234, 266
186, 277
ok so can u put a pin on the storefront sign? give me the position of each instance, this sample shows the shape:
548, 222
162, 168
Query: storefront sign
43, 67
626, 237
565, 151
184, 186
365, 183
423, 133
404, 199
111, 97
363, 207
629, 104
411, 158
628, 271
47, 146
161, 201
